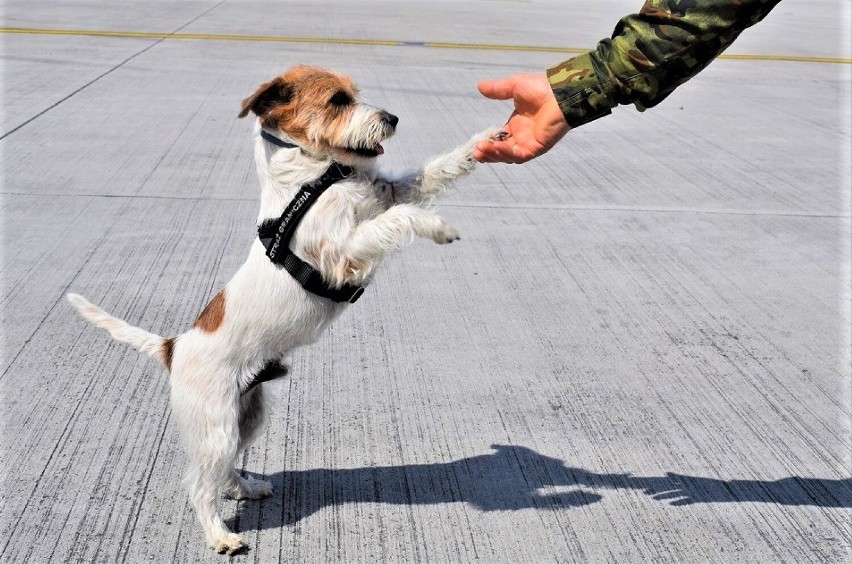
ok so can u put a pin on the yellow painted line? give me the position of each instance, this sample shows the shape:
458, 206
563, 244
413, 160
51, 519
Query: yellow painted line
495, 47
371, 42
791, 58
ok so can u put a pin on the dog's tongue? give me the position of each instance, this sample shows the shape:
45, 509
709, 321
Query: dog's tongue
380, 150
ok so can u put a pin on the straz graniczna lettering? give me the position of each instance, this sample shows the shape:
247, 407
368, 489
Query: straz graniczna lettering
296, 206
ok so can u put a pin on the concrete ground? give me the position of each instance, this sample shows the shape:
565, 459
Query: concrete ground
638, 352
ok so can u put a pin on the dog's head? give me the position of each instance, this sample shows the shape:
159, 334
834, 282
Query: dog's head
319, 110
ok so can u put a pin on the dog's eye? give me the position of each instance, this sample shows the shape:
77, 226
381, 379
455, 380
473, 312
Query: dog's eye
340, 99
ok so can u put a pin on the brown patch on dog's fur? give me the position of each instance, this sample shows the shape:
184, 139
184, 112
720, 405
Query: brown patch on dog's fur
167, 352
298, 103
212, 316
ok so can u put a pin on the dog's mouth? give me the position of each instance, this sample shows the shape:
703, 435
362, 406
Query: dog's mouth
366, 151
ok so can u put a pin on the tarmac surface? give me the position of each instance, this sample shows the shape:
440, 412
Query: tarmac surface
638, 352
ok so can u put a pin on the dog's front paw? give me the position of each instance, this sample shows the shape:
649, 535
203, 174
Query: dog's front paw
228, 544
463, 156
445, 234
440, 171
490, 134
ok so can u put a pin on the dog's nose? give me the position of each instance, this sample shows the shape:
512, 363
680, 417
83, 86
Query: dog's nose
391, 119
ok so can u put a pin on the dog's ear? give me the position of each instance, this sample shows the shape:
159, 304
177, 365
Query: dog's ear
268, 94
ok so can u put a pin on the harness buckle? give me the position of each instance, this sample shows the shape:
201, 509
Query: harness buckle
356, 295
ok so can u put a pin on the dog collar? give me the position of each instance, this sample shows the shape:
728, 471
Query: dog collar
275, 235
276, 141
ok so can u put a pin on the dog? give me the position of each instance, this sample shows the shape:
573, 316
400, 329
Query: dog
310, 123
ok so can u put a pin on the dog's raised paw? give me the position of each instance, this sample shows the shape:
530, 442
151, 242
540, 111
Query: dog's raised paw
230, 544
491, 134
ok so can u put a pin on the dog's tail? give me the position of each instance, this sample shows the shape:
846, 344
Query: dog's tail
146, 342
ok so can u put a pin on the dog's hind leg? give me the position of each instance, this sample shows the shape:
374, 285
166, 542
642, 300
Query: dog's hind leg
209, 424
253, 416
203, 485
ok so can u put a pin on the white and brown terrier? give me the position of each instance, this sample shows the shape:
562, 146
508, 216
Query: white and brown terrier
308, 119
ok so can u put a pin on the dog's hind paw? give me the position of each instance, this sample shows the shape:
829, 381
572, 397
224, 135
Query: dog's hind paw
258, 489
229, 544
248, 488
446, 234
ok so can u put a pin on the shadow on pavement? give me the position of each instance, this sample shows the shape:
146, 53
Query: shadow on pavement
514, 477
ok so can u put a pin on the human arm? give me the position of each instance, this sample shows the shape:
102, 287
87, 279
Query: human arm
649, 55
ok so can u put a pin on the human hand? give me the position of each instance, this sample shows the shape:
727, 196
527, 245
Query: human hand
533, 128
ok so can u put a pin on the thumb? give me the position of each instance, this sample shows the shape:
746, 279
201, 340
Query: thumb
497, 89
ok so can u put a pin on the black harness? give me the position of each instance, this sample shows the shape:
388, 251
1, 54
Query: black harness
275, 234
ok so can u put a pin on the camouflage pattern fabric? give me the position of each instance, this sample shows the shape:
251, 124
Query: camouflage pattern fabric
650, 54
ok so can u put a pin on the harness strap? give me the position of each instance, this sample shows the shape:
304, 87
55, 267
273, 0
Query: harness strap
275, 235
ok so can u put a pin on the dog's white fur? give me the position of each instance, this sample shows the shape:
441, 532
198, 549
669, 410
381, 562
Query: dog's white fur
353, 226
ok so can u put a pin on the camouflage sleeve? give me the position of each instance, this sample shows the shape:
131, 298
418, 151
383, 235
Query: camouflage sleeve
650, 54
